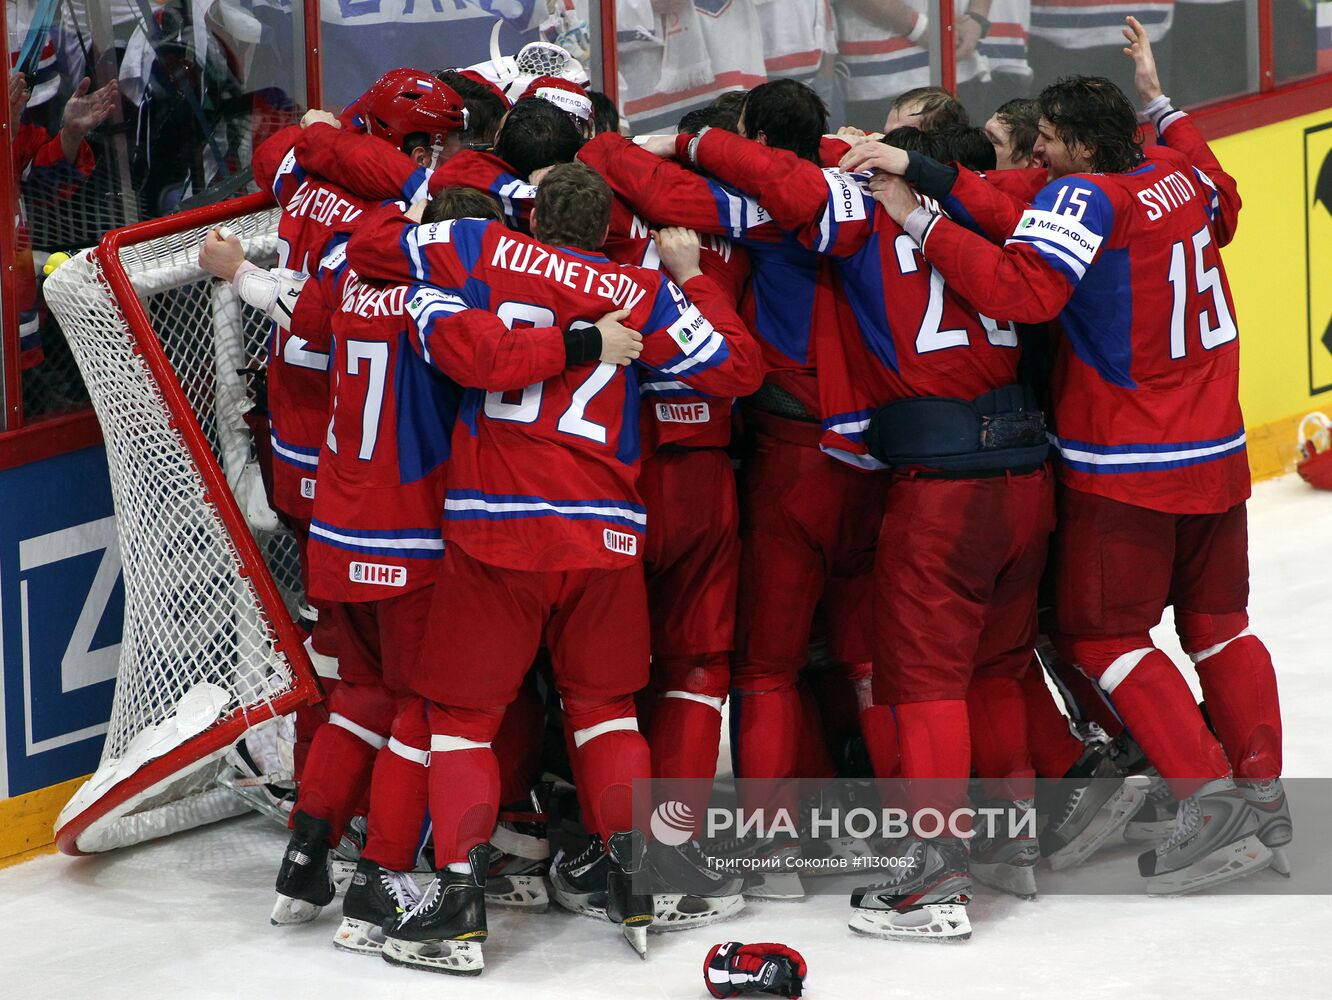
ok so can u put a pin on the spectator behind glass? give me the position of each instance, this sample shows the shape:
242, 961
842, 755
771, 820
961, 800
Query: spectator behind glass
1013, 129
926, 108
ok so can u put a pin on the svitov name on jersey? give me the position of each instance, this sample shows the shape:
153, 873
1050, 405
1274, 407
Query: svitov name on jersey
528, 258
1169, 193
378, 574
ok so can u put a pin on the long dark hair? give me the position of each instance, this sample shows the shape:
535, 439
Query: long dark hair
1093, 112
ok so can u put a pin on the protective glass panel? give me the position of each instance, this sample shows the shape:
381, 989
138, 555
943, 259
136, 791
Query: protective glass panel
178, 94
1301, 38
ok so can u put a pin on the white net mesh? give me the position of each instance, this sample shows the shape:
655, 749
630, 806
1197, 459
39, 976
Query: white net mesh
199, 648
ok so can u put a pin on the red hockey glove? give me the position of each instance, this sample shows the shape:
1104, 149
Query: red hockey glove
734, 968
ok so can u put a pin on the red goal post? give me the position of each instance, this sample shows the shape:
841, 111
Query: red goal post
209, 647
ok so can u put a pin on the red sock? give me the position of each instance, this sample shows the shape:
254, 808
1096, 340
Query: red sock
684, 739
936, 752
997, 713
879, 726
336, 777
607, 767
1050, 741
1240, 689
463, 780
1158, 708
398, 791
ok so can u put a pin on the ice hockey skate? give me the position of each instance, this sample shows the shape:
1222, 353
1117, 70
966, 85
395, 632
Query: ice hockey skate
598, 882
1268, 800
925, 898
375, 897
771, 866
1155, 818
342, 861
1005, 862
1215, 841
691, 889
1085, 808
443, 933
304, 882
519, 860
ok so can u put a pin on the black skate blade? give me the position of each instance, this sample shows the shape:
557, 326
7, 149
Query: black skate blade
636, 936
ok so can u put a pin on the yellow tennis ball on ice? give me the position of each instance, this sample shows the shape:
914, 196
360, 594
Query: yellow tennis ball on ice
54, 261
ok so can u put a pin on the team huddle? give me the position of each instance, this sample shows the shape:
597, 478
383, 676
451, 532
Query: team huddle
986, 425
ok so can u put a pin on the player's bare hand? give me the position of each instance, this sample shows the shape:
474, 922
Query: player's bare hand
417, 212
858, 137
875, 156
319, 116
679, 249
895, 195
18, 96
539, 175
1139, 49
619, 344
221, 255
657, 145
968, 34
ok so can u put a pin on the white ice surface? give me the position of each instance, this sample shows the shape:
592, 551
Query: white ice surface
188, 917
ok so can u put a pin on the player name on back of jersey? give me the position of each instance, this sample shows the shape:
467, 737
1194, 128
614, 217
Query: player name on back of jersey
1169, 193
369, 302
528, 258
316, 202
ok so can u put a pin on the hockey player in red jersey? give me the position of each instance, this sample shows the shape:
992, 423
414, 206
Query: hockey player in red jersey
807, 522
545, 530
955, 595
534, 134
409, 111
375, 546
1151, 445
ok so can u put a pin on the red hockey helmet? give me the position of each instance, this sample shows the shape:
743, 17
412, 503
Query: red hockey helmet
403, 102
566, 95
1315, 466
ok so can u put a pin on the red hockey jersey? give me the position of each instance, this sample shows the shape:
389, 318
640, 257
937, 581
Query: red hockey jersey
675, 413
792, 289
376, 529
544, 478
1146, 381
913, 336
314, 213
363, 164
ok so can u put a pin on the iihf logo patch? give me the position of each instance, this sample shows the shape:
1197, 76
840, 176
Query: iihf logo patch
377, 574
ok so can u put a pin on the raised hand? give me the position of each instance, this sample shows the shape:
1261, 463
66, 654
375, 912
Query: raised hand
18, 96
1139, 49
85, 111
875, 156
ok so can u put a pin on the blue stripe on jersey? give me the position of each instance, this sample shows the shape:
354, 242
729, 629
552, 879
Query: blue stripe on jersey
289, 172
1045, 18
403, 543
890, 63
426, 408
417, 186
412, 251
784, 279
667, 306
851, 426
1086, 456
466, 236
1098, 320
293, 454
866, 293
957, 211
475, 505
628, 448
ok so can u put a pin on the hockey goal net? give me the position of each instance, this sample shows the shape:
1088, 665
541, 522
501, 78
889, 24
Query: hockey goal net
209, 647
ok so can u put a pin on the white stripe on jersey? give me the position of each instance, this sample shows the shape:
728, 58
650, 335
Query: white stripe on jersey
506, 507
